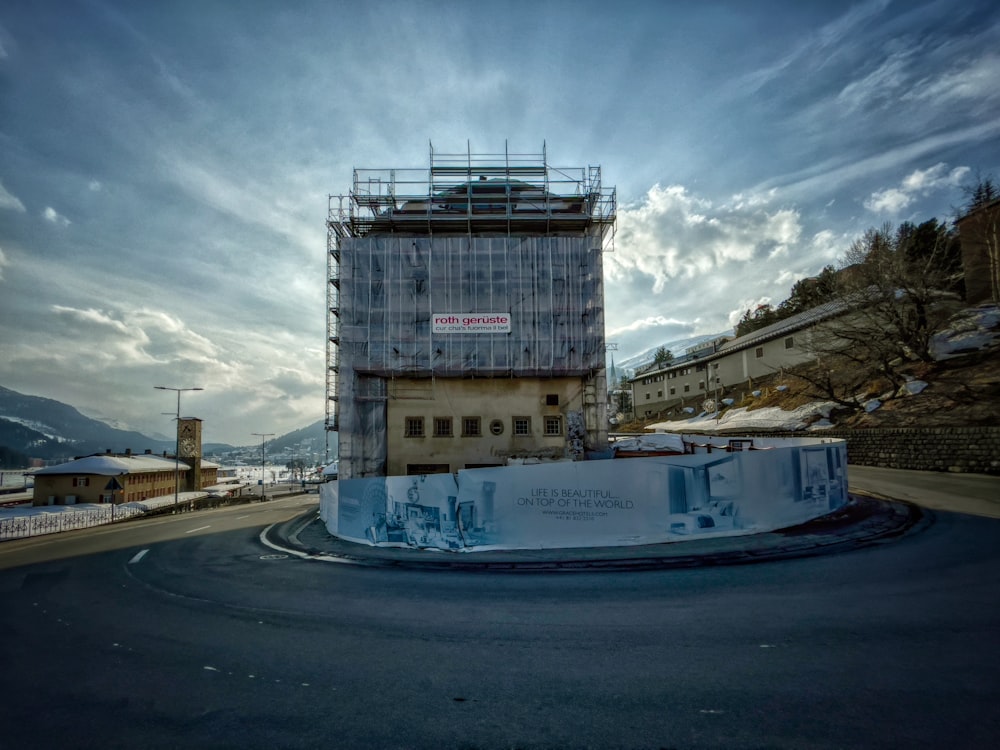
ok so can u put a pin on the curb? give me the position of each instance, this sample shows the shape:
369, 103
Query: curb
866, 520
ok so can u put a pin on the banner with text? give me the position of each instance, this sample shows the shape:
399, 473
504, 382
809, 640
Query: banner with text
470, 323
593, 503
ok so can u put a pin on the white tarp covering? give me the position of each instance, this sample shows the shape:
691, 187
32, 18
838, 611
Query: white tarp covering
595, 503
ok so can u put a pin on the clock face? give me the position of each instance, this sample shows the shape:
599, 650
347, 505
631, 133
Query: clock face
187, 429
187, 446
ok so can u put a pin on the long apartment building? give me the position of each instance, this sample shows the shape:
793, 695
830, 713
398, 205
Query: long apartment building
694, 377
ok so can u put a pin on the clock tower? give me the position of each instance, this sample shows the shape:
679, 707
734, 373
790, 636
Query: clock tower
189, 449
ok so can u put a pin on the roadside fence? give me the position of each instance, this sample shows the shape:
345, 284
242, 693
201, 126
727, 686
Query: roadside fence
37, 524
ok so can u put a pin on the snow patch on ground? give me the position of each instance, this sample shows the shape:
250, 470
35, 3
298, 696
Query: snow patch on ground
972, 330
769, 418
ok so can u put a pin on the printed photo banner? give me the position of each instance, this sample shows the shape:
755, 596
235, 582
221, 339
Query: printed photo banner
593, 503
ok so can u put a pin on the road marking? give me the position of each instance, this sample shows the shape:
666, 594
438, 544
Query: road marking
191, 531
137, 557
240, 518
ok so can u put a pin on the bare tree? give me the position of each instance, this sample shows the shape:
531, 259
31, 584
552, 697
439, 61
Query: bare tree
897, 288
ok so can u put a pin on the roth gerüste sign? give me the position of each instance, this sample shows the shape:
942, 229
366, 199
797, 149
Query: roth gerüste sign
470, 323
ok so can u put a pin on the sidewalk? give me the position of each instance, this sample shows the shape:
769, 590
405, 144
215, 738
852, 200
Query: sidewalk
975, 494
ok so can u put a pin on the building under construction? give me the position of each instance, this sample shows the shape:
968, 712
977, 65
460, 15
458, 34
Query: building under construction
466, 314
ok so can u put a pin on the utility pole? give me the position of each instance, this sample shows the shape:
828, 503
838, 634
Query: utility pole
263, 437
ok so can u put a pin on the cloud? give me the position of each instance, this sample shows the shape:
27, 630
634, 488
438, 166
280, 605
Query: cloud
674, 234
10, 202
880, 87
644, 324
94, 186
54, 217
136, 338
686, 266
918, 184
967, 79
815, 49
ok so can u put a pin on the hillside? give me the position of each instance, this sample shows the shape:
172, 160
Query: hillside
960, 388
49, 429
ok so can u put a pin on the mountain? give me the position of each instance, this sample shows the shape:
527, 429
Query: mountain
305, 441
51, 430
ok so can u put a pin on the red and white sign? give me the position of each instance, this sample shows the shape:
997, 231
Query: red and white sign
470, 323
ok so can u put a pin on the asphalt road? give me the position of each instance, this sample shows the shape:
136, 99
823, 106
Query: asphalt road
186, 631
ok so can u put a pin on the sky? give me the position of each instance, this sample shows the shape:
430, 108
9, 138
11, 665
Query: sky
165, 167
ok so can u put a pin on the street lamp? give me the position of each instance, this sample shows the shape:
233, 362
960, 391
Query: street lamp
263, 436
177, 440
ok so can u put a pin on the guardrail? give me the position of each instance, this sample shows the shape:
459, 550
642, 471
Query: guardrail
19, 527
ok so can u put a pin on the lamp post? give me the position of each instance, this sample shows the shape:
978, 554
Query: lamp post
263, 436
177, 439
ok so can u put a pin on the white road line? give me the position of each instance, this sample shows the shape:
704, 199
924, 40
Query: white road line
138, 556
240, 518
191, 531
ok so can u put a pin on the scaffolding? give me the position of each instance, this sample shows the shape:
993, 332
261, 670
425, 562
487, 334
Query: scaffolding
471, 234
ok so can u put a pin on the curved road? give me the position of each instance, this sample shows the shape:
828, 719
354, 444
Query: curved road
186, 631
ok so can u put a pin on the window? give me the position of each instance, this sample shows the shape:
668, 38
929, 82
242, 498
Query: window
790, 342
758, 352
442, 426
647, 397
553, 425
81, 481
659, 394
552, 399
686, 388
496, 427
701, 385
414, 427
471, 427
673, 390
521, 426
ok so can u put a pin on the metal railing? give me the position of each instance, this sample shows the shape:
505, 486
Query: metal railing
20, 527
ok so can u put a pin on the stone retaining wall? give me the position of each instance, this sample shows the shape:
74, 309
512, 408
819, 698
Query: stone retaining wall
959, 449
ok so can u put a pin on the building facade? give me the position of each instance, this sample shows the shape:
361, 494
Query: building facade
979, 233
128, 477
110, 478
695, 377
466, 315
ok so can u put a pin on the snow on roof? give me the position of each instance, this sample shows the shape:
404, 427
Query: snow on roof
110, 465
658, 441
